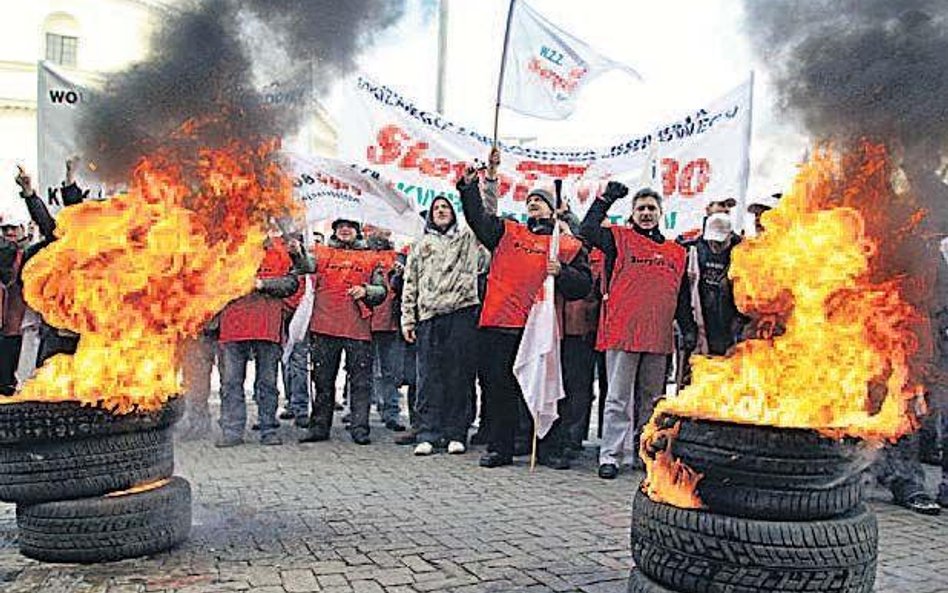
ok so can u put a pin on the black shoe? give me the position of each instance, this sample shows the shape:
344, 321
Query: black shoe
480, 437
409, 438
608, 471
286, 415
361, 439
314, 435
301, 421
554, 461
493, 459
921, 503
271, 439
394, 426
229, 441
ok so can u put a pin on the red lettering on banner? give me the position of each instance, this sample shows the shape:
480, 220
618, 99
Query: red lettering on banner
687, 181
389, 145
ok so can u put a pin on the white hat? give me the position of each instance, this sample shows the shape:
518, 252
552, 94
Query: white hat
717, 227
764, 203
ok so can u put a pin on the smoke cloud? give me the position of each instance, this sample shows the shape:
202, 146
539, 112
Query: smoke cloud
201, 69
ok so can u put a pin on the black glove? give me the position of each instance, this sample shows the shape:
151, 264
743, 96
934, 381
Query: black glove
614, 191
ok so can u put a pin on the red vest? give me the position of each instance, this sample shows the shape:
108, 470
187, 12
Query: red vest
517, 272
638, 312
12, 305
257, 316
383, 318
334, 312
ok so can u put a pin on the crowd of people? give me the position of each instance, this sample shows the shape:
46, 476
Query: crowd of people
445, 316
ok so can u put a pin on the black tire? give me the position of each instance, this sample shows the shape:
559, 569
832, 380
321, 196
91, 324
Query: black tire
23, 422
66, 469
699, 552
639, 583
105, 529
771, 473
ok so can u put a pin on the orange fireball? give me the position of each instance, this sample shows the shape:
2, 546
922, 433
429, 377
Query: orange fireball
136, 274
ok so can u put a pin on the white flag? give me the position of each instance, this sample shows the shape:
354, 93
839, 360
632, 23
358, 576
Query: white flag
299, 323
537, 365
547, 67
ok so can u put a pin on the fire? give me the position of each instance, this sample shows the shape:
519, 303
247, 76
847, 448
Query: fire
154, 484
669, 480
832, 266
136, 274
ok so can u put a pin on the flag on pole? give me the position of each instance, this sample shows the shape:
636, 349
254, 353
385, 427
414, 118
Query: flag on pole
547, 67
537, 364
299, 323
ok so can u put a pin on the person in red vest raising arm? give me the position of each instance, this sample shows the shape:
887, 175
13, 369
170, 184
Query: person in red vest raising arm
519, 265
349, 283
644, 293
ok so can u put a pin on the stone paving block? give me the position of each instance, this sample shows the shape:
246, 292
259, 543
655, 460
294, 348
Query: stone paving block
299, 581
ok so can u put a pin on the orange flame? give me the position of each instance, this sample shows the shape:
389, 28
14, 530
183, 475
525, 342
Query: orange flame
153, 485
829, 266
136, 274
667, 479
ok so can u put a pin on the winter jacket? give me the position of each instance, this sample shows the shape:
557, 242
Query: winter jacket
441, 272
334, 312
712, 296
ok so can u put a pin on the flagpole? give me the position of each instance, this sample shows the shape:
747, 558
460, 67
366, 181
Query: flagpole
533, 449
503, 67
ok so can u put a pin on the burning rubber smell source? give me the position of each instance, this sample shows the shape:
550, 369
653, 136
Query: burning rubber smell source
833, 266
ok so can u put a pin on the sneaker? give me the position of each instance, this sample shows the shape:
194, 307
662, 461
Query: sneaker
286, 415
608, 471
493, 459
921, 503
394, 426
424, 448
271, 439
454, 447
229, 441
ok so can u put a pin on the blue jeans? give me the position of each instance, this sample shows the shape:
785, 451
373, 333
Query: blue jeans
296, 379
386, 360
233, 403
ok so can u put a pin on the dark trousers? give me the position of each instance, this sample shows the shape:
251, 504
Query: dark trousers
506, 398
445, 374
602, 380
327, 353
9, 359
51, 343
485, 353
235, 356
579, 361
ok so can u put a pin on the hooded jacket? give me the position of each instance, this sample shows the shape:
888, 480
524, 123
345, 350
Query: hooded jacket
441, 271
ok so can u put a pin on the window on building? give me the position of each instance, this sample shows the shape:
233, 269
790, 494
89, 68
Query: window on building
61, 49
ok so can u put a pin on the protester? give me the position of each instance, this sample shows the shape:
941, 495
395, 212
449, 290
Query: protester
348, 284
52, 340
296, 379
761, 205
439, 313
519, 266
197, 364
13, 246
646, 292
711, 291
386, 345
252, 326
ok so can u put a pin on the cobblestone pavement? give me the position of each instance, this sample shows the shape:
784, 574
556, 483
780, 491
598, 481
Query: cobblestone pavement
334, 517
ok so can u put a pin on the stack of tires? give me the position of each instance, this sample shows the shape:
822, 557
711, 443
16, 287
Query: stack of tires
91, 486
783, 513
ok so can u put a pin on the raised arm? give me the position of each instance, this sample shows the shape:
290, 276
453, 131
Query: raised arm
591, 230
488, 228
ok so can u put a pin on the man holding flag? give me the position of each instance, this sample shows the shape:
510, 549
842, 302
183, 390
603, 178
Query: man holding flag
520, 266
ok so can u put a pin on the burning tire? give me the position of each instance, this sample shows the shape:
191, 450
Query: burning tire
766, 473
49, 421
107, 528
66, 469
699, 552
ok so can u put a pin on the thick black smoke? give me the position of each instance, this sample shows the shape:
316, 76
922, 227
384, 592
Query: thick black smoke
201, 69
875, 69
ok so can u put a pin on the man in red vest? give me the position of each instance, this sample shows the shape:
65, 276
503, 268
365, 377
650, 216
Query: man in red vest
519, 265
253, 326
348, 284
645, 293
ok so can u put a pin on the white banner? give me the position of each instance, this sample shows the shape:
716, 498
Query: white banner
546, 67
58, 104
330, 189
690, 161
